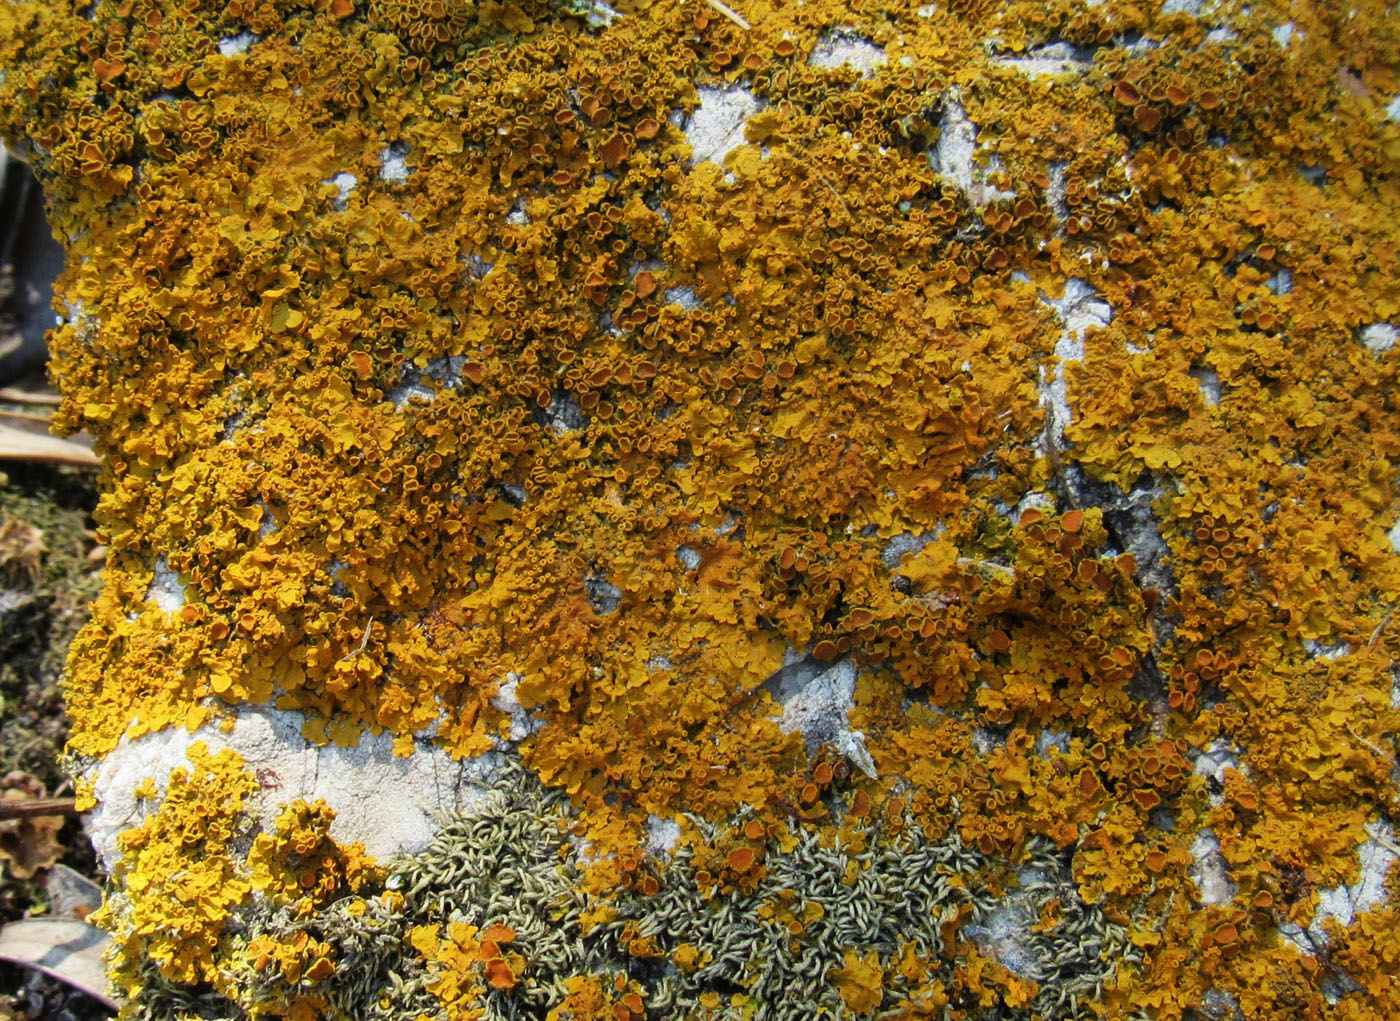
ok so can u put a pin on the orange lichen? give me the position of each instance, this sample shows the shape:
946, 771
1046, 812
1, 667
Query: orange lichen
599, 998
300, 863
544, 396
466, 963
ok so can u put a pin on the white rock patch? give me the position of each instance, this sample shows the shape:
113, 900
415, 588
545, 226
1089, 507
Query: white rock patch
1285, 34
838, 49
393, 163
1379, 338
1048, 61
901, 545
819, 704
1209, 381
345, 183
522, 723
955, 155
385, 801
662, 836
716, 127
683, 296
1079, 308
235, 45
1212, 763
1056, 196
1377, 853
1209, 871
165, 590
406, 393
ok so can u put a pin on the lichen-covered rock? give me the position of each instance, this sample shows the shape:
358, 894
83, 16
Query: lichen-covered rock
851, 510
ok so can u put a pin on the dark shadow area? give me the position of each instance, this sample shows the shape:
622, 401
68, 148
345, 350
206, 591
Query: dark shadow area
30, 261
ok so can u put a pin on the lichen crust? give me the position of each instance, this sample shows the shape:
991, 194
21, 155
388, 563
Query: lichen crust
780, 432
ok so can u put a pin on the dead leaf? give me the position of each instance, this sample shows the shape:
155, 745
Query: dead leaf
64, 948
21, 547
16, 395
71, 894
29, 843
18, 444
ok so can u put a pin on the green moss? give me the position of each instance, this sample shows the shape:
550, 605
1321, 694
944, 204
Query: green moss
48, 577
46, 581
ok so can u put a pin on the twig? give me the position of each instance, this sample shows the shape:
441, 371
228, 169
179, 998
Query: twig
729, 12
29, 417
32, 807
822, 177
1376, 634
15, 396
1373, 746
364, 641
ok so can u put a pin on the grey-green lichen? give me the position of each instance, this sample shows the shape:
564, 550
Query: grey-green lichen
784, 928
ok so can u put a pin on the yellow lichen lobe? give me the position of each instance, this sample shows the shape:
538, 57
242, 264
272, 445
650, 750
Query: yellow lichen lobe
299, 861
176, 884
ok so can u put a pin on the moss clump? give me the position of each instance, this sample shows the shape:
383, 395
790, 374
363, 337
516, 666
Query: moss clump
46, 582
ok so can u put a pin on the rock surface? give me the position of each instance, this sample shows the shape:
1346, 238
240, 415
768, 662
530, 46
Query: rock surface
809, 510
388, 802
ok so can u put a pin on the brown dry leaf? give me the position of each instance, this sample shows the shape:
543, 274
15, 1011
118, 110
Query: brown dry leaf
21, 548
28, 844
16, 395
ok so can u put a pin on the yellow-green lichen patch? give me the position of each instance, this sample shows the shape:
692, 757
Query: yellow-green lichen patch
502, 917
176, 882
1033, 373
205, 913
